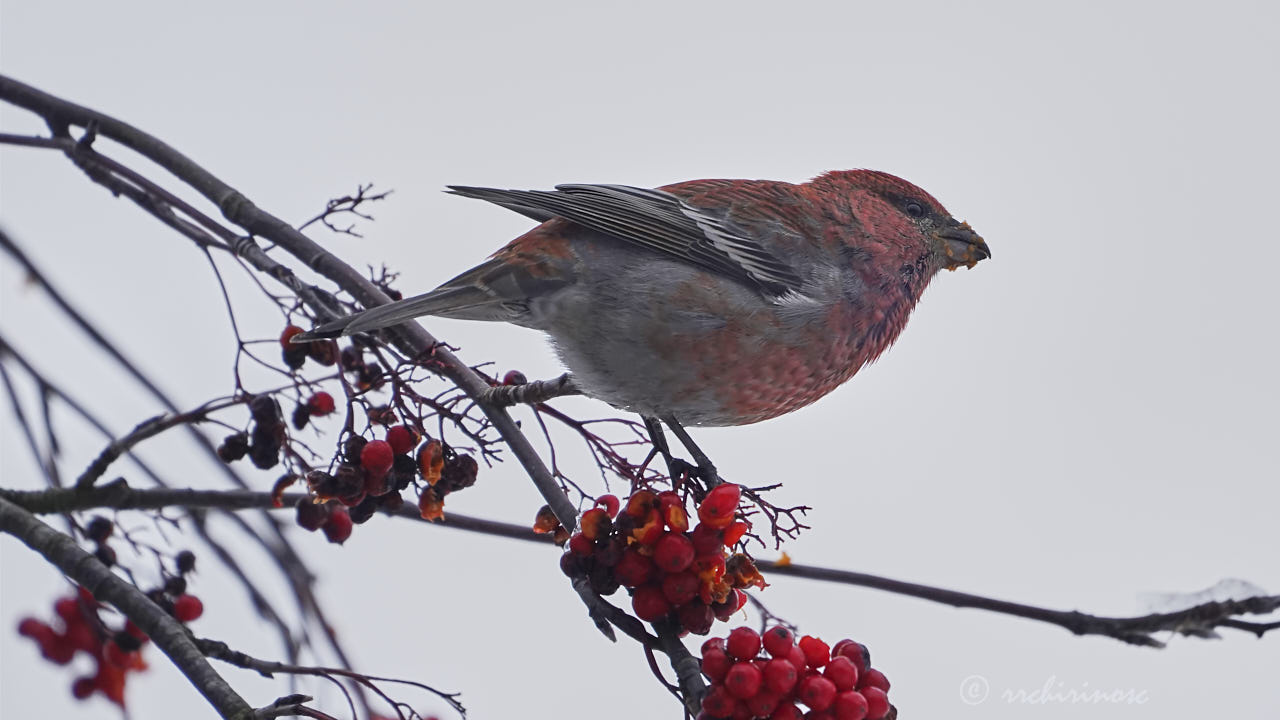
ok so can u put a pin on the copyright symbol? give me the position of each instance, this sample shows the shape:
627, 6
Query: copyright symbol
974, 690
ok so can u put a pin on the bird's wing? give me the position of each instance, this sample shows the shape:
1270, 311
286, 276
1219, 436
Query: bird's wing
660, 221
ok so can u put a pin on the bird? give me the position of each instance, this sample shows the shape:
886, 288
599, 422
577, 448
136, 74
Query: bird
706, 302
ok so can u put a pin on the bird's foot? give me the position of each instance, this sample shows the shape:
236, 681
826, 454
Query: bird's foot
531, 393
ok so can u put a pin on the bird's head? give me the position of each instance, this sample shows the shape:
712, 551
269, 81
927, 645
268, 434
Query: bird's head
900, 219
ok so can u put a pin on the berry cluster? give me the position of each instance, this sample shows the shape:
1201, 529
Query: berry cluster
372, 474
670, 569
265, 439
295, 355
99, 530
78, 627
835, 683
364, 375
318, 405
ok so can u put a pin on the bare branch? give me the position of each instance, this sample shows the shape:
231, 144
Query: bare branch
413, 339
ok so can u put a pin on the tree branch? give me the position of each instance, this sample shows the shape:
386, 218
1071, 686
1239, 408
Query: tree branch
1135, 630
410, 337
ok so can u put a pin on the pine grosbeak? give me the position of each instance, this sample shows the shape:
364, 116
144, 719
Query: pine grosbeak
708, 302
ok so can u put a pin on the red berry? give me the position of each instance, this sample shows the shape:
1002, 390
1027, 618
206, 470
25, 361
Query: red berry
877, 702
610, 503
679, 588
596, 524
338, 527
581, 545
81, 637
83, 687
633, 569
817, 692
841, 671
640, 503
734, 532
778, 641
320, 404
402, 439
287, 335
796, 657
673, 553
718, 507
187, 608
707, 541
718, 703
856, 652
68, 608
116, 655
377, 457
714, 643
731, 605
715, 664
780, 675
816, 652
33, 628
57, 649
671, 508
762, 703
696, 617
849, 705
873, 678
743, 643
649, 603
514, 377
743, 680
786, 711
648, 530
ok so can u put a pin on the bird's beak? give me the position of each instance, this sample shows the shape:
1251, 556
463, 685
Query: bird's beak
962, 246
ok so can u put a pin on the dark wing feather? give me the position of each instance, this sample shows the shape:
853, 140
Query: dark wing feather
656, 220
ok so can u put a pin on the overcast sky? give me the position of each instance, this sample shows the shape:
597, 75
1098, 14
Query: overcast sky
1087, 416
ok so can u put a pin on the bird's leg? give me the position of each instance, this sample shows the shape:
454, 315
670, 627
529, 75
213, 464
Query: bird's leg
659, 440
706, 469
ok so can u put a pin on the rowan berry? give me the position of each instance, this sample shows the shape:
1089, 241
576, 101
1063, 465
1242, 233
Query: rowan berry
743, 643
187, 608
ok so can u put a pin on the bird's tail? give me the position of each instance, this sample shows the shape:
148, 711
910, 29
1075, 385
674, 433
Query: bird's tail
439, 301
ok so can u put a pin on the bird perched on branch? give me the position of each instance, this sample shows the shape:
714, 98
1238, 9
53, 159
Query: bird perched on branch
708, 302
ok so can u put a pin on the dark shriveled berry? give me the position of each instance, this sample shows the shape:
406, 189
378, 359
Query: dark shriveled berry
459, 472
301, 416
185, 561
126, 641
99, 529
294, 357
352, 358
351, 448
106, 555
322, 483
360, 514
391, 502
175, 585
265, 410
311, 515
403, 471
264, 455
325, 353
234, 447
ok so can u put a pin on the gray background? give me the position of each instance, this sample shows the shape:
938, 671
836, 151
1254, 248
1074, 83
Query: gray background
1089, 415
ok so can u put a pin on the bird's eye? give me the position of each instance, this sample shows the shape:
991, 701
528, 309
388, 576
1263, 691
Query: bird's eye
915, 209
